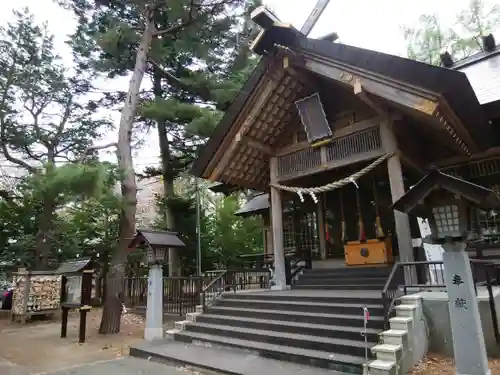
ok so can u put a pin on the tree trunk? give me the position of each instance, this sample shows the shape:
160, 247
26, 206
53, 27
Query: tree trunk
111, 315
45, 223
168, 178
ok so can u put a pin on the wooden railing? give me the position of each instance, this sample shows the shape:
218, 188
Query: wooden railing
351, 148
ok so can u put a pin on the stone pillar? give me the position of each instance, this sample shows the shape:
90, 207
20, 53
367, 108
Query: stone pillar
154, 308
320, 216
401, 220
468, 339
277, 228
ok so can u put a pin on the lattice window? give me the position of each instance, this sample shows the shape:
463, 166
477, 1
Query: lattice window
288, 233
308, 234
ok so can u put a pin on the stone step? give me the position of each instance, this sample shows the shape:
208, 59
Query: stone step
343, 275
305, 306
350, 270
339, 287
333, 345
342, 281
298, 316
339, 362
220, 360
343, 296
388, 352
340, 332
381, 367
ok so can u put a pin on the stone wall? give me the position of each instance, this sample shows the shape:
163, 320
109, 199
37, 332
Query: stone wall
435, 307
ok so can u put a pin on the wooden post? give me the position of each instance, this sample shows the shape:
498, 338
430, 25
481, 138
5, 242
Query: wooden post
64, 322
395, 171
83, 325
320, 220
277, 227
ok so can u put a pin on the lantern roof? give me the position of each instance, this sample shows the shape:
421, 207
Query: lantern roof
476, 195
155, 239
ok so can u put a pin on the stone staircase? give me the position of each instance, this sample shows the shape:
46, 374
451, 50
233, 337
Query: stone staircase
319, 322
372, 278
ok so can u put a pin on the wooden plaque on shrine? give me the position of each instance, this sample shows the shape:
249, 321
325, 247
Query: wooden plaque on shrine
313, 118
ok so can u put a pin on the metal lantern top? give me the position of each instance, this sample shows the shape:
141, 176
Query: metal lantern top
444, 200
156, 243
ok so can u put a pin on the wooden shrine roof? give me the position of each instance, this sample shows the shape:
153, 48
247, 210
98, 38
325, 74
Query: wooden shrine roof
483, 71
257, 205
155, 238
264, 109
73, 266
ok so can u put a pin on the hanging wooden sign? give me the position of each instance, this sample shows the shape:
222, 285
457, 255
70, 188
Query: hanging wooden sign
313, 119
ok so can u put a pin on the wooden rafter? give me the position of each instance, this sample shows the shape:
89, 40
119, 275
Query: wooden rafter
261, 101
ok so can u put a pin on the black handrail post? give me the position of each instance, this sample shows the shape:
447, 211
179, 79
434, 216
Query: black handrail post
493, 309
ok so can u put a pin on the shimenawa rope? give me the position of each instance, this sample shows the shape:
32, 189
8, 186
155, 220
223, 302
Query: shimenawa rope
337, 184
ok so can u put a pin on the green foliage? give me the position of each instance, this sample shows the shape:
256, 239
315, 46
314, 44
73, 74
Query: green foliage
233, 235
224, 236
46, 125
426, 41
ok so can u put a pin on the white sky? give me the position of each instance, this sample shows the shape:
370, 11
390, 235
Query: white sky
372, 24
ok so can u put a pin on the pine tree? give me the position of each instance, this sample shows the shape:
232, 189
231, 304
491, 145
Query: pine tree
45, 121
186, 58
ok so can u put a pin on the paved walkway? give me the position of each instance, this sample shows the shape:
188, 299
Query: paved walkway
122, 366
225, 360
9, 368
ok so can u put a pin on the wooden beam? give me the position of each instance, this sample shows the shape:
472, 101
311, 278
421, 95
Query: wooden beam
424, 102
253, 143
365, 97
457, 125
491, 153
412, 162
257, 108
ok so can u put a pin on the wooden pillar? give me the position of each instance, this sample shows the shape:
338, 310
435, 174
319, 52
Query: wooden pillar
395, 171
277, 228
320, 220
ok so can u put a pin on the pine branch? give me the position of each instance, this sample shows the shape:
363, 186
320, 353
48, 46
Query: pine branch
206, 95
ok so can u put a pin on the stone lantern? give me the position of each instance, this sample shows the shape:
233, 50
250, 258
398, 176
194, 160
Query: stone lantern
156, 244
445, 202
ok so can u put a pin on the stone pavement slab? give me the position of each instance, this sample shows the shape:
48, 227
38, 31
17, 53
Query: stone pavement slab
223, 360
122, 366
9, 368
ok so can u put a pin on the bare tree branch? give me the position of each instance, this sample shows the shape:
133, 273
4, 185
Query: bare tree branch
95, 148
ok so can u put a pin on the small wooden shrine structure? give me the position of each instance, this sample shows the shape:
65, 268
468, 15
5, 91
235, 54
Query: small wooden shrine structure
76, 292
333, 134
